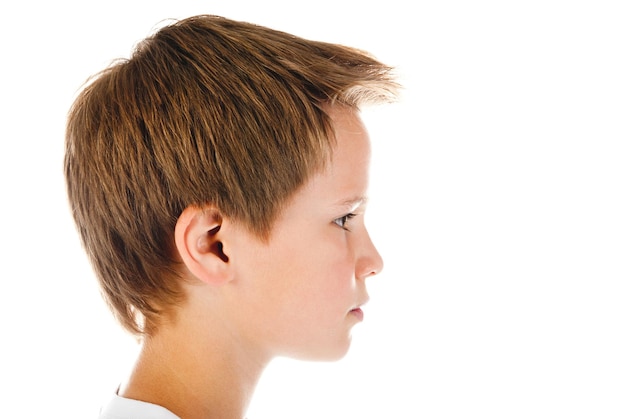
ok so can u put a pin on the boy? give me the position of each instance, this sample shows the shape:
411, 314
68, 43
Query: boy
218, 182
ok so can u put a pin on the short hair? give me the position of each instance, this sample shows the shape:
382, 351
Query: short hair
206, 110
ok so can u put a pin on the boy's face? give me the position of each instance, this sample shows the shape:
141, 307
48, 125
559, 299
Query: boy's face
303, 288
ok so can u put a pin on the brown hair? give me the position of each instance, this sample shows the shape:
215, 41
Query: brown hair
206, 110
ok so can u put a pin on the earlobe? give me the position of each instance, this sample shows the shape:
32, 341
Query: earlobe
199, 241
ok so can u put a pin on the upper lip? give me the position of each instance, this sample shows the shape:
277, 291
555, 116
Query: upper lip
360, 304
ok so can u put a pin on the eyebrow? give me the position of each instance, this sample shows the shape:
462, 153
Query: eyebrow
352, 203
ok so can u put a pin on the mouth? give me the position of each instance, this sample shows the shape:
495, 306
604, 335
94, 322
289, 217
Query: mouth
358, 313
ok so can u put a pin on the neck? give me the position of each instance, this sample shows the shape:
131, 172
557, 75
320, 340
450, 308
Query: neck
194, 375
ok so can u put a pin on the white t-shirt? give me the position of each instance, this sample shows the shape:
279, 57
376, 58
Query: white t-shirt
122, 408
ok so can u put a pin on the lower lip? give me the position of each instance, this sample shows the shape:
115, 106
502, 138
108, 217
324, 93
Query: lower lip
358, 313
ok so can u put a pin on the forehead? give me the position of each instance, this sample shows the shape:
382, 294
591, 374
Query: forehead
353, 145
345, 178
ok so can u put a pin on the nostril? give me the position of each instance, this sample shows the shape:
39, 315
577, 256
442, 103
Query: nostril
370, 267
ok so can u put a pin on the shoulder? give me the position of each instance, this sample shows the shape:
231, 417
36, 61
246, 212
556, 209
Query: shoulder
122, 408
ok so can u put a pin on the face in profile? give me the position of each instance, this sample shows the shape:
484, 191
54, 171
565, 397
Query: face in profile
303, 288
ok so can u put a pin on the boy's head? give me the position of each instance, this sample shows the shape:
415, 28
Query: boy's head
206, 112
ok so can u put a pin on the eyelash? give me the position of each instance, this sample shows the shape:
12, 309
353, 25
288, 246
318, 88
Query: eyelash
341, 221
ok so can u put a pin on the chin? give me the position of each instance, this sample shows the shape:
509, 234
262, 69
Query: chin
323, 353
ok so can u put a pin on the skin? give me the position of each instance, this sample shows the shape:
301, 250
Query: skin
297, 294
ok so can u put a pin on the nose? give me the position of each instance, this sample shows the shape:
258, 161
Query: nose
369, 262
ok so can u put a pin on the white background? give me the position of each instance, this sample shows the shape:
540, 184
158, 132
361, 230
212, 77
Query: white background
498, 202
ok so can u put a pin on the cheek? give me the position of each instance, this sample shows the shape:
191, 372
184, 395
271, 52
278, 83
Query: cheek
313, 275
333, 273
318, 254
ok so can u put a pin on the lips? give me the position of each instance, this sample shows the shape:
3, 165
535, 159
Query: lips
358, 313
356, 310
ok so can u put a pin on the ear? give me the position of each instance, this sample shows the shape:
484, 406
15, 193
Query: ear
199, 240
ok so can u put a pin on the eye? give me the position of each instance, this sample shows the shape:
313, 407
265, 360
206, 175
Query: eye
342, 221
